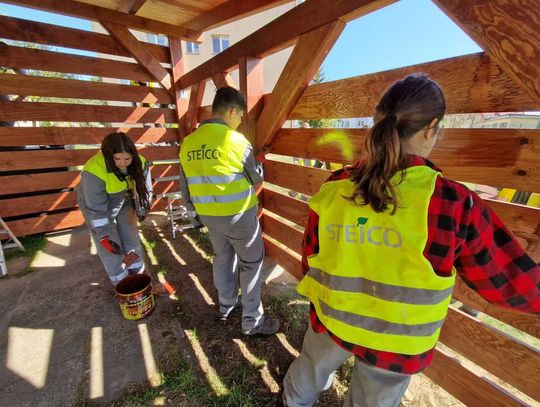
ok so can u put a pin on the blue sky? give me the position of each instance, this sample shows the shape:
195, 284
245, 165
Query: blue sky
406, 33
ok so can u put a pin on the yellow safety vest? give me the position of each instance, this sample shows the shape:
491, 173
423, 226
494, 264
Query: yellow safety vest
96, 166
213, 161
370, 283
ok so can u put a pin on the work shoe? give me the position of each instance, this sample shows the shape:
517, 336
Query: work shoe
268, 327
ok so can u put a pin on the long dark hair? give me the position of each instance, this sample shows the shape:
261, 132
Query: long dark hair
121, 143
408, 106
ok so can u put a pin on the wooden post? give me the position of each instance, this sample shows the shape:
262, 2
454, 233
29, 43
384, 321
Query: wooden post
195, 100
177, 63
308, 55
252, 86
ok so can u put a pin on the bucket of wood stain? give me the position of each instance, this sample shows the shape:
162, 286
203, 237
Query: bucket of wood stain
134, 295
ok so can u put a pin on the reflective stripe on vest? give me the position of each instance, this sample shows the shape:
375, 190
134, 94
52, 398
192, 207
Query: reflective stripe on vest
212, 159
96, 166
370, 283
406, 295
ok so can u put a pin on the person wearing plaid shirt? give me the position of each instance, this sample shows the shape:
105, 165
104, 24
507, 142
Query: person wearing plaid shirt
463, 237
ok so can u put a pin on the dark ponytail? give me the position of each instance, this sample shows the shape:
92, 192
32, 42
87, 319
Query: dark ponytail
121, 143
408, 106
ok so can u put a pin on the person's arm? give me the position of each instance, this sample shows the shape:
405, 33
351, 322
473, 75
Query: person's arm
253, 170
310, 243
492, 262
96, 202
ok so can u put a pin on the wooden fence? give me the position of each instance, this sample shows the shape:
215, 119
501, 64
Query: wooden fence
79, 109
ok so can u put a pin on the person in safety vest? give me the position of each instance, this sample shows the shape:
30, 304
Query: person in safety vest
218, 180
115, 191
384, 243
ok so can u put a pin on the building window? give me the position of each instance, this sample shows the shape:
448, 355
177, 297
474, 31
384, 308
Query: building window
157, 39
504, 125
219, 43
192, 48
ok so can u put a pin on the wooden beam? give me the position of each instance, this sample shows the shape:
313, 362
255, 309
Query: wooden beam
132, 44
252, 87
23, 136
508, 31
282, 232
177, 63
464, 93
472, 155
493, 350
101, 14
48, 34
222, 79
195, 100
70, 88
28, 58
284, 30
131, 6
468, 387
230, 11
306, 58
66, 112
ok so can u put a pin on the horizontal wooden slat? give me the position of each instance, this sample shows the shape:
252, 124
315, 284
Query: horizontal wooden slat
25, 160
463, 154
464, 92
12, 84
515, 363
37, 203
285, 206
24, 136
295, 177
15, 184
527, 323
48, 34
61, 200
285, 257
468, 387
46, 223
283, 233
29, 58
65, 112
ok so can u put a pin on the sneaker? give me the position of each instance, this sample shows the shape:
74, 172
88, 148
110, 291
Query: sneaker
268, 327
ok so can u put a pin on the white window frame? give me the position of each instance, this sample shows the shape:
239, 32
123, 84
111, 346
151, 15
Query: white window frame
221, 37
192, 48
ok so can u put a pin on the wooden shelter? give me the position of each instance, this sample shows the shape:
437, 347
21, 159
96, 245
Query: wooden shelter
37, 184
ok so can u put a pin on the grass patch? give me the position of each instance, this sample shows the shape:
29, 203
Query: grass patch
183, 388
202, 240
32, 245
290, 305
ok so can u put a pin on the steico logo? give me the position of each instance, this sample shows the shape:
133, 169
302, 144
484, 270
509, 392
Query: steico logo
203, 154
362, 233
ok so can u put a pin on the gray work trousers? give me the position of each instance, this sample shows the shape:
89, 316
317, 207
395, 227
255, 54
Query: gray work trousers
123, 230
313, 371
238, 257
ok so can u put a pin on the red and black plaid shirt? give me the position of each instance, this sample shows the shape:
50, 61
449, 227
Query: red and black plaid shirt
462, 233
